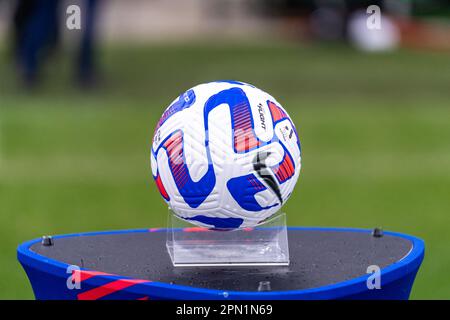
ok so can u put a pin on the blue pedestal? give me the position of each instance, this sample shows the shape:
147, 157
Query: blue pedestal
48, 267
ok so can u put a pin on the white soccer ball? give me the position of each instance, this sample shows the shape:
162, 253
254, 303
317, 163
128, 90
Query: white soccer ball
225, 155
386, 38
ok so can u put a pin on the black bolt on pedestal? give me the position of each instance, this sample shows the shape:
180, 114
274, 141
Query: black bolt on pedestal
47, 241
264, 286
377, 232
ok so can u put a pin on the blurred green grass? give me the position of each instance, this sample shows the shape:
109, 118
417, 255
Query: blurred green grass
375, 133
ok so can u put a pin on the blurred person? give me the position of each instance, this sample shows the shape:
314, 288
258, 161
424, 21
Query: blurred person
86, 71
36, 32
37, 29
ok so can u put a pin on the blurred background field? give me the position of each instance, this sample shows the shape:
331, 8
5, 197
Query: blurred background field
375, 132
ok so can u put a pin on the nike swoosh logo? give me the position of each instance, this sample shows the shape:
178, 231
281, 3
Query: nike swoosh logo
259, 165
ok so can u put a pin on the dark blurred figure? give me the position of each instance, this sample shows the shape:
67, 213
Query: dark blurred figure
37, 30
86, 66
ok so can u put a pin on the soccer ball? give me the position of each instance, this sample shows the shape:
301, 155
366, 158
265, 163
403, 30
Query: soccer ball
225, 155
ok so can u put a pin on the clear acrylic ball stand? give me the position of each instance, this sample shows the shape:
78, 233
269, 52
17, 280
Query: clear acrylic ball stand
265, 244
